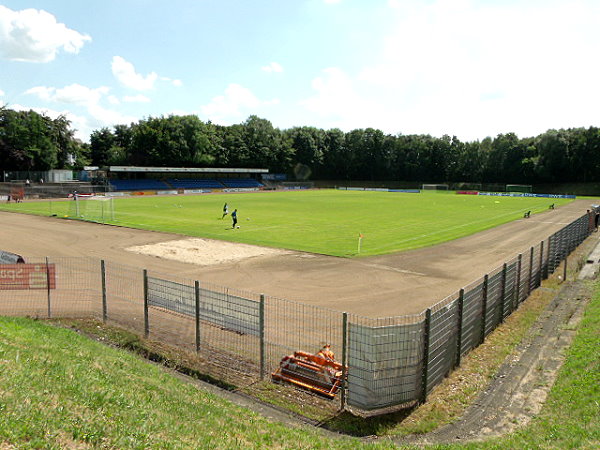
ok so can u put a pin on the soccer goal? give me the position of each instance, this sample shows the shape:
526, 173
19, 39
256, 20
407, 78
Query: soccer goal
435, 187
525, 188
94, 208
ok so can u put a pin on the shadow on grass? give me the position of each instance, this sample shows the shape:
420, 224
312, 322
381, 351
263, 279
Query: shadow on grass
347, 423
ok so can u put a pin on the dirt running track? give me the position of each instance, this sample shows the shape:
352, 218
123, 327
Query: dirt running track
398, 284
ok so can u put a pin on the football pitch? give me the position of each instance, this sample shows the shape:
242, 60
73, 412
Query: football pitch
328, 222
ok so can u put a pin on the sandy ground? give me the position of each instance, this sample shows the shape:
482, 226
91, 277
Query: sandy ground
398, 284
204, 252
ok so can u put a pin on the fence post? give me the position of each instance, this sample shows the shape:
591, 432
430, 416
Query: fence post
547, 269
146, 322
541, 275
518, 290
530, 271
503, 294
261, 324
565, 269
104, 305
461, 302
197, 292
48, 287
426, 336
344, 360
484, 307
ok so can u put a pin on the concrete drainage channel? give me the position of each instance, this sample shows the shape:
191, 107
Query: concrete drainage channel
592, 265
522, 383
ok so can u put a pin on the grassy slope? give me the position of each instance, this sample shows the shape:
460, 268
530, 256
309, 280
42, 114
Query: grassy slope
571, 416
60, 389
326, 221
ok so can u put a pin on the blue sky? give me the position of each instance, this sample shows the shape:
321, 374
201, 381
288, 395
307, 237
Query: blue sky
470, 68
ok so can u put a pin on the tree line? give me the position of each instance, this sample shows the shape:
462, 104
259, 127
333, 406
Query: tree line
32, 141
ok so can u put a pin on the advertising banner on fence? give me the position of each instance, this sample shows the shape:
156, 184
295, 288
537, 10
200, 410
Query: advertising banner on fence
27, 276
526, 194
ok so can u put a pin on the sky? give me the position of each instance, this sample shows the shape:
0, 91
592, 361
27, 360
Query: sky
465, 68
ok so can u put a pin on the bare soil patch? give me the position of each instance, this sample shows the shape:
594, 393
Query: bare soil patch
204, 252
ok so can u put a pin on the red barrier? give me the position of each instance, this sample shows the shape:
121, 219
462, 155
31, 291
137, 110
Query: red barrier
27, 276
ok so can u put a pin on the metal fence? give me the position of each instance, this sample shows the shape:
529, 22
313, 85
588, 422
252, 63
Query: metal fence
391, 362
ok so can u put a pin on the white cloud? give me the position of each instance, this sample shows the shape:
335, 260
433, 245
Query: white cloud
78, 95
272, 67
338, 102
136, 99
472, 69
33, 35
236, 103
113, 100
231, 105
125, 72
1, 93
174, 82
106, 117
74, 94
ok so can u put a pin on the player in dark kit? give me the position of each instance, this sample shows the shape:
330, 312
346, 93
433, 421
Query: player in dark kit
225, 210
234, 218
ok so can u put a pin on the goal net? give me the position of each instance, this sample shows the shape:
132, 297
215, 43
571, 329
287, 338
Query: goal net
527, 188
94, 208
435, 187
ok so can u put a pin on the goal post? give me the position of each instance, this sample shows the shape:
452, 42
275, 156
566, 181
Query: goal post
434, 187
93, 208
523, 188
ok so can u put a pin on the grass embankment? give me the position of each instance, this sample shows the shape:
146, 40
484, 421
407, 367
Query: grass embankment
327, 221
61, 389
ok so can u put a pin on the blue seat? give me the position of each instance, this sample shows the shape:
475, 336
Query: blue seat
139, 185
240, 182
192, 183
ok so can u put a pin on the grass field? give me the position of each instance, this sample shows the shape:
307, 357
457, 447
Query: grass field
326, 221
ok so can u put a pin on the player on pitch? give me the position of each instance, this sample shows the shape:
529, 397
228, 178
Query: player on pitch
225, 211
234, 218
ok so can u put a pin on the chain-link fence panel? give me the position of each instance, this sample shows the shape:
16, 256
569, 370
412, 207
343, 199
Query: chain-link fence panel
27, 289
534, 269
472, 316
385, 361
124, 293
443, 340
50, 287
510, 288
524, 277
78, 285
493, 303
294, 334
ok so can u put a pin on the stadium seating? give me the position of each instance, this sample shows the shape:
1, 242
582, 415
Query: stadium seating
240, 182
190, 183
139, 185
185, 183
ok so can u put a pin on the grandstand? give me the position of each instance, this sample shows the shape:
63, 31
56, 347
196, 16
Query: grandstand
240, 183
139, 185
193, 183
129, 178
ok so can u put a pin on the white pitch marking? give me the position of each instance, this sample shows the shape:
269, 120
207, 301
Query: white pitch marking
381, 266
